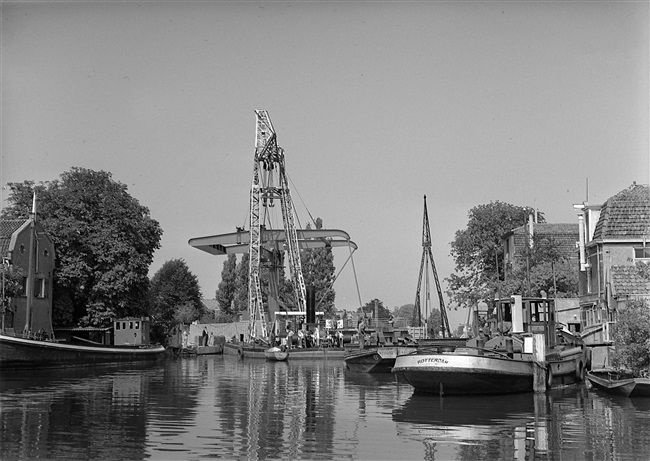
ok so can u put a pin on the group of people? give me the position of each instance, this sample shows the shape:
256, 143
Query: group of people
313, 338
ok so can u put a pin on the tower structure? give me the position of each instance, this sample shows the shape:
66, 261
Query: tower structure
270, 184
426, 261
265, 244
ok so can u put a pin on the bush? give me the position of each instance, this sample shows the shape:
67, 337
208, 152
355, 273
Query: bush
632, 339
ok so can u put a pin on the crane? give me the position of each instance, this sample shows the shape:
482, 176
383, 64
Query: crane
427, 259
264, 244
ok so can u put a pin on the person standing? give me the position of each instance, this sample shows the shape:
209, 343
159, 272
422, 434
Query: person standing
361, 329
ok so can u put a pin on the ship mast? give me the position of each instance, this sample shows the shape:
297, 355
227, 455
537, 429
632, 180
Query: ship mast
31, 269
427, 259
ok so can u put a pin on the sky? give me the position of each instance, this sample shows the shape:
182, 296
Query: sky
376, 104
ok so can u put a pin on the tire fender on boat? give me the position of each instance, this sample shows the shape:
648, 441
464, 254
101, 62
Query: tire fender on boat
580, 371
549, 375
240, 351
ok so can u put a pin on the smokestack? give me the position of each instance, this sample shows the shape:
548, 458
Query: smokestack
311, 305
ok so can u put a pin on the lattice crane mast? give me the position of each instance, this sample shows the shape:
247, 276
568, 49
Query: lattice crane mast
270, 183
427, 258
263, 243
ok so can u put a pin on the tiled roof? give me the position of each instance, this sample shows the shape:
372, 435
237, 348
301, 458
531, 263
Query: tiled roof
7, 229
629, 280
626, 215
564, 235
550, 229
211, 304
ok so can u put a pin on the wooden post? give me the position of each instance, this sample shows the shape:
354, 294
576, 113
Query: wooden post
539, 362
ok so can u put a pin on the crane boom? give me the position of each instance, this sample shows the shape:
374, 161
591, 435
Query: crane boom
265, 244
269, 167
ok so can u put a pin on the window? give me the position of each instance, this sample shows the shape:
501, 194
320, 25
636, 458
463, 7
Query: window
137, 325
642, 253
117, 325
40, 288
23, 287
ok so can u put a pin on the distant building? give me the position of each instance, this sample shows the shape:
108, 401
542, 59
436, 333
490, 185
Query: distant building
211, 305
613, 239
15, 241
563, 237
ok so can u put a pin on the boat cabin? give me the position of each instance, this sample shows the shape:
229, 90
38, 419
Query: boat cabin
131, 331
521, 315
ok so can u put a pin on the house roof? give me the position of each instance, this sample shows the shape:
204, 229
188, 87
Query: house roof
629, 280
550, 228
626, 215
7, 229
211, 304
564, 235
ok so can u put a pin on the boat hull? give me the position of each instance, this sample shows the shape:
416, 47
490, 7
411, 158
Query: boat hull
467, 373
629, 387
276, 354
249, 351
209, 350
18, 352
375, 360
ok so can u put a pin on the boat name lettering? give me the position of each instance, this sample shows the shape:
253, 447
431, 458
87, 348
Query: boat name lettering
433, 360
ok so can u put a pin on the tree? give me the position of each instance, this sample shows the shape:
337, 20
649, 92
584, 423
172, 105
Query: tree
104, 240
369, 309
241, 289
434, 324
632, 339
175, 297
477, 250
318, 272
544, 267
227, 288
405, 313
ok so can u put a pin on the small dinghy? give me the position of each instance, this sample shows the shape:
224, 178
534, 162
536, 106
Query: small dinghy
277, 354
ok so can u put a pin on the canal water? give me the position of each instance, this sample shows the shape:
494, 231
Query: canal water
222, 407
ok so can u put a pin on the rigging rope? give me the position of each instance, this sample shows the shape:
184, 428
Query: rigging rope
356, 281
333, 281
293, 186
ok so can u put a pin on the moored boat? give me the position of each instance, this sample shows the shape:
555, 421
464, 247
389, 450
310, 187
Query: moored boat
276, 354
375, 359
501, 365
27, 338
210, 350
246, 350
611, 382
19, 352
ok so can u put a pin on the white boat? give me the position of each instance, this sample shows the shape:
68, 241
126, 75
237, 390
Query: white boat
503, 364
276, 354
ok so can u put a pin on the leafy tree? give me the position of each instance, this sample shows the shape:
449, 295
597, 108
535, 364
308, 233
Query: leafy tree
241, 289
632, 339
477, 250
227, 288
175, 297
12, 277
104, 240
544, 267
369, 309
405, 312
319, 272
434, 324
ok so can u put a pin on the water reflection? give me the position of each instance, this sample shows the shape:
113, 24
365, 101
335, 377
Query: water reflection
71, 413
482, 426
215, 406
